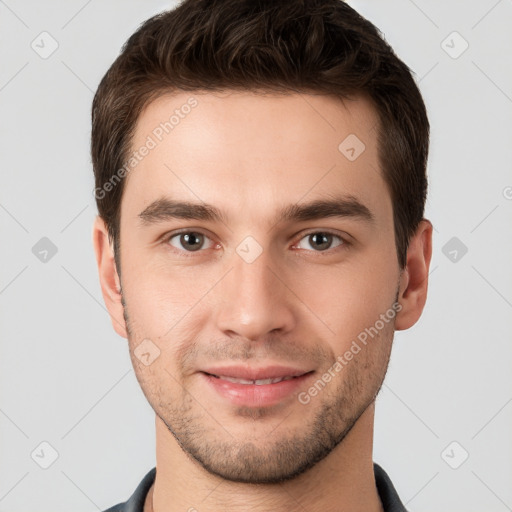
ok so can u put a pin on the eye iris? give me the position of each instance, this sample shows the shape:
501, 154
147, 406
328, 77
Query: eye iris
194, 239
322, 241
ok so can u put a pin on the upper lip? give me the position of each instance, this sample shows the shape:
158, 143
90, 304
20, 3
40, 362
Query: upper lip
251, 373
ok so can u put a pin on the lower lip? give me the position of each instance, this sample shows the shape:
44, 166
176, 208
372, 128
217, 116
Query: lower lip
253, 394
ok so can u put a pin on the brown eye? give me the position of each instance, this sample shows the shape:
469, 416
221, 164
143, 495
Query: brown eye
321, 241
189, 241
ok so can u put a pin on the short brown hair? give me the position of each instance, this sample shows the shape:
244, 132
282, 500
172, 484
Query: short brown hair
316, 46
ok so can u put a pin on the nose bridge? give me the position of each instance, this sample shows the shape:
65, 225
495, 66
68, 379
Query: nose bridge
254, 300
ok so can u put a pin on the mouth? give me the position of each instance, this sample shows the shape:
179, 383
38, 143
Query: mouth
251, 374
256, 387
257, 382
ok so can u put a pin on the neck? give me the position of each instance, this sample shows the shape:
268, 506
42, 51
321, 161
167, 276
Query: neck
344, 479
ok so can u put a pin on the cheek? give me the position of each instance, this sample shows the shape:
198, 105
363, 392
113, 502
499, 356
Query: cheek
350, 300
158, 381
162, 300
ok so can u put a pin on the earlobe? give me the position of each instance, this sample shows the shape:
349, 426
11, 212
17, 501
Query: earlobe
414, 278
109, 278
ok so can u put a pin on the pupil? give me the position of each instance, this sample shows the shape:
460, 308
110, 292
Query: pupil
321, 240
193, 239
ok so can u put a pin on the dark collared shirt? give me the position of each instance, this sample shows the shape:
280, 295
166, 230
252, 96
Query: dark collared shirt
388, 495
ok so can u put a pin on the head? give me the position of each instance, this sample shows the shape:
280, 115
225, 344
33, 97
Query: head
260, 178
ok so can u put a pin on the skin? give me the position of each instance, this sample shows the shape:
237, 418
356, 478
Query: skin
250, 155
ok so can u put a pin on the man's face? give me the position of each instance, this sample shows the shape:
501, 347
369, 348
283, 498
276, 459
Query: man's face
256, 290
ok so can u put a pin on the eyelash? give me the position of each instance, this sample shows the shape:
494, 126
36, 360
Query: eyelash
344, 245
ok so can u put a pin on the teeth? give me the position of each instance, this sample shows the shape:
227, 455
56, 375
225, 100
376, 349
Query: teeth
259, 382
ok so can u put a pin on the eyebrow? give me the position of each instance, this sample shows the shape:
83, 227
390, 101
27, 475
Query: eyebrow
347, 206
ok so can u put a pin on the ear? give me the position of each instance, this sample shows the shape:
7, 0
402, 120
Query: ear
109, 278
414, 278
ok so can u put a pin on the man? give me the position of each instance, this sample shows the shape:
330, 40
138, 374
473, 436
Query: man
261, 178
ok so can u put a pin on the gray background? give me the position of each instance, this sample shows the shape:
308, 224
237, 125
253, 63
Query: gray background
66, 376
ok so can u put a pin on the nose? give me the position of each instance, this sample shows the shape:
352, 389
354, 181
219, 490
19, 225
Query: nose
254, 300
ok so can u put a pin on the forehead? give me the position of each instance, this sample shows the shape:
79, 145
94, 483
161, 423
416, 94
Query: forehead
242, 149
